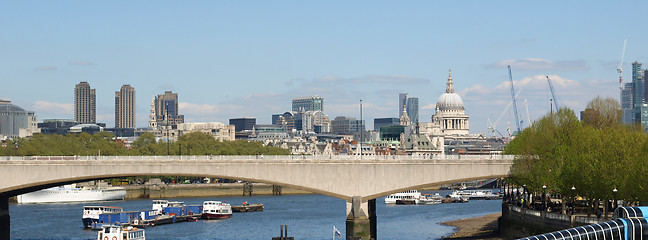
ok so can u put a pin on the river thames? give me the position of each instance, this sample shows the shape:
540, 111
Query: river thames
307, 216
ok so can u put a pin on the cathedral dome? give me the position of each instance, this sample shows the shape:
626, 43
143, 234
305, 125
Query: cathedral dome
450, 100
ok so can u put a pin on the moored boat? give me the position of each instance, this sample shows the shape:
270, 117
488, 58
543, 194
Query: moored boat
159, 205
91, 214
475, 194
216, 210
411, 194
246, 207
113, 232
71, 193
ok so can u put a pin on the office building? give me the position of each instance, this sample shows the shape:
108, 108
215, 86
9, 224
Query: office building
85, 106
304, 104
626, 104
219, 131
56, 126
346, 125
411, 105
385, 122
638, 90
125, 107
243, 124
312, 121
166, 110
16, 122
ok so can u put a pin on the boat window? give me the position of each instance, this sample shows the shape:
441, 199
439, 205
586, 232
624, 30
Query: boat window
125, 236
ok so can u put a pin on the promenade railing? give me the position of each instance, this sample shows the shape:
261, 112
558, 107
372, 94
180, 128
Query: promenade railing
571, 219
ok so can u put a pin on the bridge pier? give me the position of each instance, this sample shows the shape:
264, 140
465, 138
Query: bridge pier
4, 218
361, 219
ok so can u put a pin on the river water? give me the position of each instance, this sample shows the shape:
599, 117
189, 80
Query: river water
307, 216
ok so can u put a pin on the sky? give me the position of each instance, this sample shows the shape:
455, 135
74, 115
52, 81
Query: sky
231, 59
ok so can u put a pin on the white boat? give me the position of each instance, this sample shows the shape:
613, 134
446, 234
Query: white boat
216, 209
410, 194
159, 205
112, 232
431, 199
91, 214
70, 193
474, 194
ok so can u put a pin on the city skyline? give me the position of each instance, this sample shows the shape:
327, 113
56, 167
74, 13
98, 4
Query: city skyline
231, 60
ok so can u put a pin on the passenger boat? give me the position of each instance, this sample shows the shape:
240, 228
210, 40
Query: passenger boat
428, 199
91, 214
112, 232
216, 210
411, 194
71, 193
475, 194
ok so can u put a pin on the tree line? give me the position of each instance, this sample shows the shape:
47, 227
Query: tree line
588, 158
104, 143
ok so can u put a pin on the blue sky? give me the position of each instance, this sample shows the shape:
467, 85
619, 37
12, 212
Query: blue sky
229, 59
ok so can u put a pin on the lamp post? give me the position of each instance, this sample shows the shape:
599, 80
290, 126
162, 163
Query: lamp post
614, 203
573, 189
361, 129
544, 196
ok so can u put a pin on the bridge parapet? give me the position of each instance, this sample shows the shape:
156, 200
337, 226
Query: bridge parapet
291, 158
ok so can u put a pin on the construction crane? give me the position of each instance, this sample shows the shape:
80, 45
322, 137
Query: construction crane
553, 95
492, 127
620, 64
526, 104
515, 110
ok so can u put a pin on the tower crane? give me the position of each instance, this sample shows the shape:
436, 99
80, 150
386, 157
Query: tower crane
515, 110
620, 64
526, 104
553, 94
492, 127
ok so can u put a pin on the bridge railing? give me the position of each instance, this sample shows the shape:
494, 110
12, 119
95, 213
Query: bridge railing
261, 157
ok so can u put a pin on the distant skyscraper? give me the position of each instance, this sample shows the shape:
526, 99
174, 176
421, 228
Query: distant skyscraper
626, 104
411, 105
638, 89
125, 107
166, 109
85, 101
312, 103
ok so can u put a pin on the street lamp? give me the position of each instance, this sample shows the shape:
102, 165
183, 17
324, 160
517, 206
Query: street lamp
544, 196
614, 192
573, 189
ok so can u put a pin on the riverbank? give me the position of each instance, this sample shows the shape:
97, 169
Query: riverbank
484, 227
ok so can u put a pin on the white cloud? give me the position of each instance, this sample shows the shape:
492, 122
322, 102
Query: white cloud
539, 82
537, 64
53, 107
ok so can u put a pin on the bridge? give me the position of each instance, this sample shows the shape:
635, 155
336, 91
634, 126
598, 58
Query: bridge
357, 179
